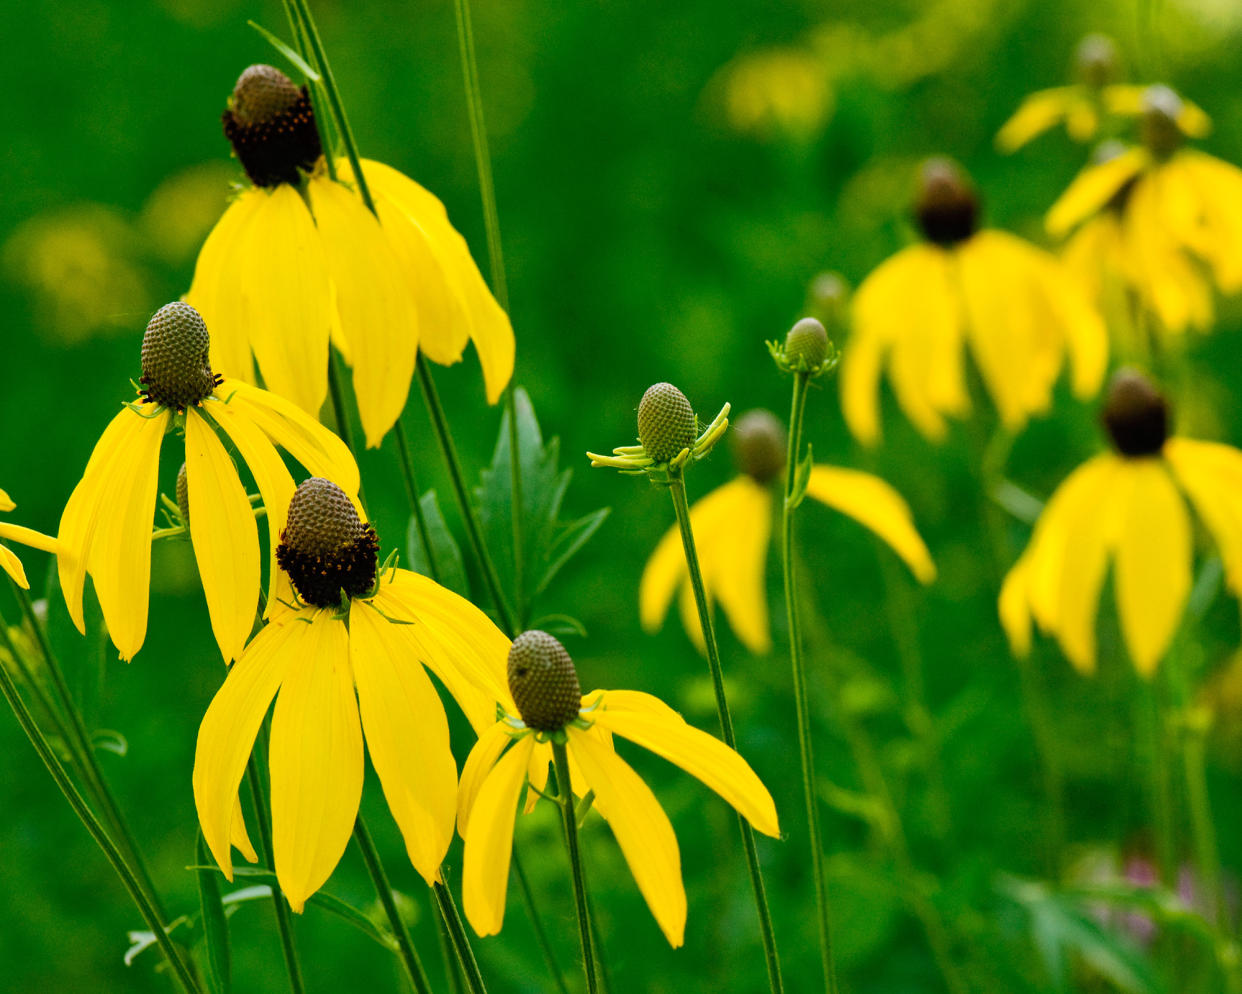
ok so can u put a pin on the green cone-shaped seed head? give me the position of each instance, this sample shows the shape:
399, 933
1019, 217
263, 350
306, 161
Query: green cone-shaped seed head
262, 94
543, 681
807, 341
1096, 60
759, 443
325, 548
1135, 414
183, 494
1161, 130
176, 369
665, 422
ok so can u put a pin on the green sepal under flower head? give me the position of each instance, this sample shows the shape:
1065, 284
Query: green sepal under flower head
176, 368
667, 428
806, 349
183, 495
325, 548
1162, 110
1135, 414
543, 682
271, 125
759, 442
1096, 62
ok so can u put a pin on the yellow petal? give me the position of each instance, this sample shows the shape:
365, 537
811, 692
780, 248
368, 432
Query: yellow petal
1153, 563
1218, 187
1015, 615
877, 506
1092, 188
664, 572
13, 566
479, 764
1035, 115
1061, 296
642, 830
489, 840
1211, 475
862, 361
226, 541
407, 736
28, 536
230, 725
240, 838
316, 761
6, 502
374, 303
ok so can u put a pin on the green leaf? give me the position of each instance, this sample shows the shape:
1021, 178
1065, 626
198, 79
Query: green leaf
217, 959
287, 52
802, 476
450, 568
560, 624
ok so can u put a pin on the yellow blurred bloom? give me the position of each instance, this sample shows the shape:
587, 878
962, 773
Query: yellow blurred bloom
344, 660
26, 536
1130, 507
733, 524
516, 751
778, 92
298, 261
105, 529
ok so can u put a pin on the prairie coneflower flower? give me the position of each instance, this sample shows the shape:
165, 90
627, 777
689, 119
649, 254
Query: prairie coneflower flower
105, 529
733, 527
298, 261
26, 536
1172, 210
1128, 506
1019, 312
550, 705
347, 657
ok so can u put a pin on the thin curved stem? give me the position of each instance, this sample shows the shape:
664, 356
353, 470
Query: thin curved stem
416, 504
541, 934
677, 489
565, 799
137, 893
461, 941
336, 393
801, 703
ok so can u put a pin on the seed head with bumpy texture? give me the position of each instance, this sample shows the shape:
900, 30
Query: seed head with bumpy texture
807, 341
543, 681
176, 369
271, 125
325, 548
759, 441
183, 494
1135, 414
947, 207
665, 422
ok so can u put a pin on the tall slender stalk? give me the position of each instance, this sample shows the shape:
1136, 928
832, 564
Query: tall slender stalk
150, 914
802, 706
677, 489
460, 940
416, 504
565, 798
536, 921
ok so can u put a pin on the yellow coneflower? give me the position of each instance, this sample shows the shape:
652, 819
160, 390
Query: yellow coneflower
1014, 305
733, 529
1128, 506
345, 658
26, 536
550, 706
105, 529
298, 261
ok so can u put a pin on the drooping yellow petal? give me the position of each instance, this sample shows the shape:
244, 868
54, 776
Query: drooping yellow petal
1035, 115
1130, 100
479, 764
877, 506
1092, 188
733, 528
374, 304
1153, 563
226, 541
688, 608
407, 736
489, 840
861, 364
29, 537
664, 572
316, 761
641, 828
1015, 613
240, 838
1218, 186
230, 725
1211, 475
1081, 326
6, 502
13, 566
304, 438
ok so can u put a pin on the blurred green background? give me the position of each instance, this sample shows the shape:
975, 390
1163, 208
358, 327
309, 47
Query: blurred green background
658, 223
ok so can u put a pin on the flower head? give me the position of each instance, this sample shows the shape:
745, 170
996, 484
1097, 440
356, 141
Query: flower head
516, 751
343, 670
1127, 506
1020, 313
105, 529
26, 536
298, 261
733, 527
670, 436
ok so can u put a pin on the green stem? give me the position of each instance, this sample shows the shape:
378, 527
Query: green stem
1153, 741
336, 393
150, 914
810, 795
461, 941
677, 488
565, 799
284, 923
451, 969
541, 935
416, 505
383, 889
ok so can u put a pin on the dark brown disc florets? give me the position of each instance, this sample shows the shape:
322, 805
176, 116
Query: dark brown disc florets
759, 442
271, 125
543, 681
325, 548
947, 207
1161, 126
666, 423
1135, 414
176, 367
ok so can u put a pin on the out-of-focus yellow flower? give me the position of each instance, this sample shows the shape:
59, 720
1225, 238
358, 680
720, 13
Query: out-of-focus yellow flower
105, 529
784, 91
733, 525
352, 645
1130, 507
26, 536
298, 261
1014, 305
549, 703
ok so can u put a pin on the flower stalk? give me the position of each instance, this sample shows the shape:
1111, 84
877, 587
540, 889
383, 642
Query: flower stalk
565, 799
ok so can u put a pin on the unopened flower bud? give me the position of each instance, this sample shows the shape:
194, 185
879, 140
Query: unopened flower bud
666, 422
806, 344
543, 681
759, 442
